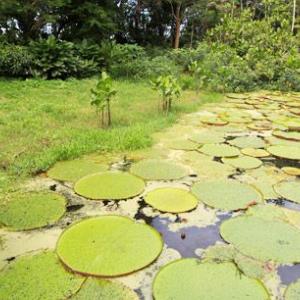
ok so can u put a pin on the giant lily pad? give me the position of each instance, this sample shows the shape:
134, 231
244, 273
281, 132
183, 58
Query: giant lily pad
205, 281
32, 210
263, 239
291, 171
248, 141
219, 150
182, 145
293, 291
108, 246
39, 276
226, 194
171, 200
255, 152
104, 290
243, 162
289, 152
288, 135
289, 190
109, 186
155, 169
208, 137
74, 170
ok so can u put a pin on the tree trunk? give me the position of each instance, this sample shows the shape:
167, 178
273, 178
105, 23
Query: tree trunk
192, 36
108, 114
177, 26
294, 16
102, 117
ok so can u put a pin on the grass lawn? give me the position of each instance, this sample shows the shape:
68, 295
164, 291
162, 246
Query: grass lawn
42, 122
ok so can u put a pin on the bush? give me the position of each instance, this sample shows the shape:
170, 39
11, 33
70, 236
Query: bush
15, 61
59, 59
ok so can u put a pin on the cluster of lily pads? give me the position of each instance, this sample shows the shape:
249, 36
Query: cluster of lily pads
229, 155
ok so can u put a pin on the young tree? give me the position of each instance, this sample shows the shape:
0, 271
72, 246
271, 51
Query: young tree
101, 98
169, 89
195, 70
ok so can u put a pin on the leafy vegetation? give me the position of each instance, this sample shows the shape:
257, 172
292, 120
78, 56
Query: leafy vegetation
56, 123
101, 98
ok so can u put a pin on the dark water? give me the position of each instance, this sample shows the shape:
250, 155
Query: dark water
289, 274
285, 203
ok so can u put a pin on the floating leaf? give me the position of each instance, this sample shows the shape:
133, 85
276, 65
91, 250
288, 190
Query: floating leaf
39, 276
289, 190
219, 150
109, 186
288, 135
255, 152
213, 121
74, 170
291, 171
108, 246
208, 137
293, 291
32, 210
101, 289
182, 145
226, 194
288, 152
248, 142
263, 239
155, 169
243, 162
206, 280
171, 200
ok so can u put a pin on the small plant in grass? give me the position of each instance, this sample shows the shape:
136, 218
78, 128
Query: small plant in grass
101, 98
169, 89
195, 70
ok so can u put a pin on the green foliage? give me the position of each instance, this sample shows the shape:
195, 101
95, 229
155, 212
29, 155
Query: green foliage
195, 70
169, 89
59, 59
101, 98
15, 61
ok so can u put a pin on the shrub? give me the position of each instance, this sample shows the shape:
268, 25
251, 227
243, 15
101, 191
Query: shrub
15, 61
101, 98
169, 89
59, 59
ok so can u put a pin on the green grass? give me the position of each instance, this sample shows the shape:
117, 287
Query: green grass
42, 122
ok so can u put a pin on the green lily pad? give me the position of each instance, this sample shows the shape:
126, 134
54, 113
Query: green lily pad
243, 162
39, 276
274, 141
171, 200
212, 169
32, 210
293, 291
155, 169
288, 152
208, 138
291, 171
287, 135
182, 145
260, 126
108, 246
74, 170
219, 150
263, 239
109, 186
104, 290
213, 121
289, 190
226, 194
237, 96
255, 152
190, 279
248, 142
